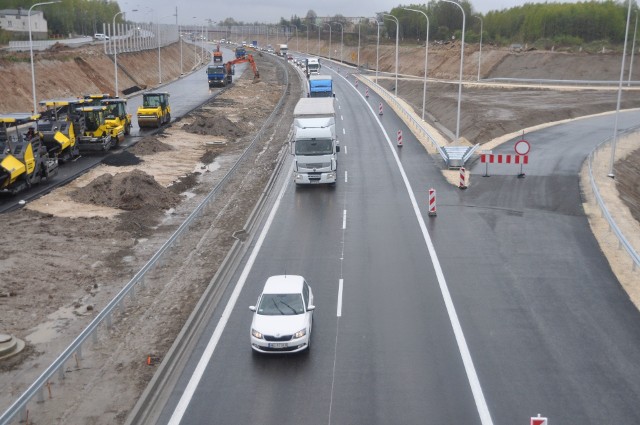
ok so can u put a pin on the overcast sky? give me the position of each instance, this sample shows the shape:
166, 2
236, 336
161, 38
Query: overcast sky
270, 11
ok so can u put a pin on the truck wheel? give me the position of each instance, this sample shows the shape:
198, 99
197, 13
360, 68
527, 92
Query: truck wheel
127, 129
168, 118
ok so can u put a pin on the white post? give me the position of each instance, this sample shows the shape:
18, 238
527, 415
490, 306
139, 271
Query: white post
480, 54
397, 35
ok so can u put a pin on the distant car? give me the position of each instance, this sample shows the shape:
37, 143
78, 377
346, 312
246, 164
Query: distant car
283, 316
289, 57
101, 37
270, 50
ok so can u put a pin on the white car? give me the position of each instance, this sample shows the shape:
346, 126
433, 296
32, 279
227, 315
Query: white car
283, 316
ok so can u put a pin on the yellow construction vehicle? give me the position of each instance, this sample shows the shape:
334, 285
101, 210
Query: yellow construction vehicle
117, 114
97, 134
24, 160
155, 110
59, 125
95, 99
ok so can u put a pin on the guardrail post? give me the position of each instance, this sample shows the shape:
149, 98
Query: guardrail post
61, 372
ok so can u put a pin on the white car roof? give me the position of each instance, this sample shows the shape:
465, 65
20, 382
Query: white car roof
283, 284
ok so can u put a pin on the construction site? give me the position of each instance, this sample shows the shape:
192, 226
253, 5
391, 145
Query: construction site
69, 252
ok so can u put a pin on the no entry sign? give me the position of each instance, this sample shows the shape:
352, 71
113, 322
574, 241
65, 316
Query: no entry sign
522, 147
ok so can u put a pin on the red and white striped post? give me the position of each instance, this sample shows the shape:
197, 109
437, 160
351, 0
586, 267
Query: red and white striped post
432, 202
366, 92
380, 109
356, 82
463, 176
400, 138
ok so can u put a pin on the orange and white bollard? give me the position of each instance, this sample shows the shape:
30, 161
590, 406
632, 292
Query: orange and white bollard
463, 176
400, 138
432, 202
380, 109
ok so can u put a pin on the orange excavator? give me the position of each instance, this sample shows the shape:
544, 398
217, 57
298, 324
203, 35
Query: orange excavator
230, 70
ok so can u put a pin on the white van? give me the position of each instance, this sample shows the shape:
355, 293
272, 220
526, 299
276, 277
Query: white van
101, 37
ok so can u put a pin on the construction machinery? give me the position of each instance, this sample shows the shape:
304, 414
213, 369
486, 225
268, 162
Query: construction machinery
116, 114
24, 159
59, 125
217, 75
217, 57
155, 110
241, 52
98, 135
230, 67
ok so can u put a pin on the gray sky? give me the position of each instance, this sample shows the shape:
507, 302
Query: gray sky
270, 11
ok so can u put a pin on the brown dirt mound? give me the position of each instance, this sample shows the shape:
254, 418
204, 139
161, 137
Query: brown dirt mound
218, 126
150, 145
128, 191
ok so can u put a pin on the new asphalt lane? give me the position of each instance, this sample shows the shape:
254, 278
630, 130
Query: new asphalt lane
547, 326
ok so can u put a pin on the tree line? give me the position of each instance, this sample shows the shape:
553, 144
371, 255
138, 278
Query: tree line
559, 23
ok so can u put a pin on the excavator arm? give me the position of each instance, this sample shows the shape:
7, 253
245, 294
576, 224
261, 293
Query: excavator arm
247, 58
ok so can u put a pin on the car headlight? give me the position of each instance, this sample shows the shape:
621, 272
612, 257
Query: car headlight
331, 175
300, 333
256, 334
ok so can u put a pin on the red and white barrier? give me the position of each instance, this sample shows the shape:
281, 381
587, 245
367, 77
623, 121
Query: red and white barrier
380, 109
504, 159
432, 202
400, 138
366, 92
463, 177
356, 82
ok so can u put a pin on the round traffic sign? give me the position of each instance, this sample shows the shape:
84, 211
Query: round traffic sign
522, 147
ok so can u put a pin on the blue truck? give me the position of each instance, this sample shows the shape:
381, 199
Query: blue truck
240, 52
218, 75
320, 86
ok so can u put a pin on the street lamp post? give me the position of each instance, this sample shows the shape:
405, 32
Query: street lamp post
615, 125
307, 28
393, 18
377, 48
297, 46
359, 22
341, 38
480, 54
33, 72
426, 58
329, 24
461, 64
633, 48
115, 51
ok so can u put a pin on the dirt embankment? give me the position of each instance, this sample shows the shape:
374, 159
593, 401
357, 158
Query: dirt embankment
70, 72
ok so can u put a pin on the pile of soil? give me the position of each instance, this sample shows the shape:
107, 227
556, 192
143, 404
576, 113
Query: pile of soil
149, 145
122, 159
127, 191
220, 126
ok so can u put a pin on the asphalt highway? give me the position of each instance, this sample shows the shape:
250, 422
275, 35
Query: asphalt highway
497, 309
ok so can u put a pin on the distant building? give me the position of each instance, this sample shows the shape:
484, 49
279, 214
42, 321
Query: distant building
17, 21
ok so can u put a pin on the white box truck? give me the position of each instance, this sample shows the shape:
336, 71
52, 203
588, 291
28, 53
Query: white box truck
314, 145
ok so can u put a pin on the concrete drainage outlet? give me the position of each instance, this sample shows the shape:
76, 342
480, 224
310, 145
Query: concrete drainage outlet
10, 346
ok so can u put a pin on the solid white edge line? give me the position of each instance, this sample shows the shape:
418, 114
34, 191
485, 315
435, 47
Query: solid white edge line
191, 387
344, 219
340, 286
472, 376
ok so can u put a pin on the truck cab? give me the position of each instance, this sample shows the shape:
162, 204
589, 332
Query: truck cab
217, 75
321, 86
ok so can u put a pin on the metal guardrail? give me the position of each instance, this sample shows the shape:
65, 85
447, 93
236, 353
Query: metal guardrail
605, 212
558, 82
18, 408
409, 116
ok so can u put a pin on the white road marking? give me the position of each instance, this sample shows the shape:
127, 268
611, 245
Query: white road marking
344, 131
341, 117
346, 178
190, 390
345, 150
472, 376
340, 285
344, 219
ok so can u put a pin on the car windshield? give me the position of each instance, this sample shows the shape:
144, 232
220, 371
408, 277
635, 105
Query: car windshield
314, 147
281, 304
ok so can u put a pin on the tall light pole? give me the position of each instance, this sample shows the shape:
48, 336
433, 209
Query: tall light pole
359, 22
377, 48
318, 39
33, 72
115, 50
329, 24
426, 58
393, 18
615, 125
480, 56
461, 63
307, 28
341, 38
633, 48
296, 36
